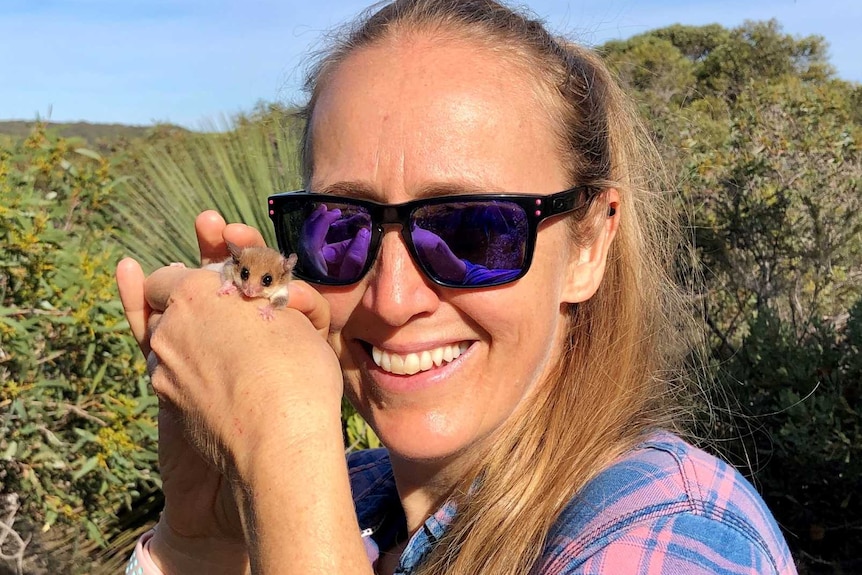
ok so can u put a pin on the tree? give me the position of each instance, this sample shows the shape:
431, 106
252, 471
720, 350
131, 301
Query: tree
767, 147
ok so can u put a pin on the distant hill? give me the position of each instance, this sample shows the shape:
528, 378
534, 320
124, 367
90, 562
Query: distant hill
91, 132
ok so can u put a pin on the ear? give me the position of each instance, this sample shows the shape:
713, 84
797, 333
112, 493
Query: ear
586, 266
234, 250
289, 263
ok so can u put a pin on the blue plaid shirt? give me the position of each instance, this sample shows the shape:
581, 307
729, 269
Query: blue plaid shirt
664, 508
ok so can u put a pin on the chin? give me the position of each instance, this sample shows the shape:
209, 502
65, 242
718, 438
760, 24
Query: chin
420, 437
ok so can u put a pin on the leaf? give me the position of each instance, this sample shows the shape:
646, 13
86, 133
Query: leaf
88, 466
98, 378
84, 434
94, 533
50, 519
91, 349
88, 153
9, 452
16, 325
52, 438
145, 403
52, 384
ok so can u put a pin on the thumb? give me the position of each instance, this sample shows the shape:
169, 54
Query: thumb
308, 300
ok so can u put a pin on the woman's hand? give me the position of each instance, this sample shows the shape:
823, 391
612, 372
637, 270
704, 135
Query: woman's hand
200, 521
244, 385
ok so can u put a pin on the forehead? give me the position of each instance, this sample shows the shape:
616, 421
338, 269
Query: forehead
415, 110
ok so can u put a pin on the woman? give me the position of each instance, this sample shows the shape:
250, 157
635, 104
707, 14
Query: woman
523, 411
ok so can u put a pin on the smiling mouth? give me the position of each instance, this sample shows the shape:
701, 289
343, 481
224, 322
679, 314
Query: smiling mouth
412, 363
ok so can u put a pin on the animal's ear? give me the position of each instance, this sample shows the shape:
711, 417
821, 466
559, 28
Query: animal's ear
234, 250
289, 263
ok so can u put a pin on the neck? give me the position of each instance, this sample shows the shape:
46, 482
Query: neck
424, 486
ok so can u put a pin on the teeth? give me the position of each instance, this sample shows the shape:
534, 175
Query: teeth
425, 362
416, 362
437, 356
411, 364
449, 353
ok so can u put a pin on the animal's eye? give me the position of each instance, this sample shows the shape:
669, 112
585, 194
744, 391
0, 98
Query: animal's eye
266, 280
243, 274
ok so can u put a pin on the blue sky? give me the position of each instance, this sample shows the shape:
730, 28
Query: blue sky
192, 61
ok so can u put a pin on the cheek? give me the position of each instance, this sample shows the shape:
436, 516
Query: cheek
521, 327
526, 322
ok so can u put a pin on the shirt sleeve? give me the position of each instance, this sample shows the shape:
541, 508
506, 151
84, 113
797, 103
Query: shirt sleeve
140, 563
680, 544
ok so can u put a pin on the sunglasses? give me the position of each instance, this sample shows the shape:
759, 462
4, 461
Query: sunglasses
458, 241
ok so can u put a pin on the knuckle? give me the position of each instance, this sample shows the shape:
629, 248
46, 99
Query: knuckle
184, 288
160, 383
191, 285
158, 339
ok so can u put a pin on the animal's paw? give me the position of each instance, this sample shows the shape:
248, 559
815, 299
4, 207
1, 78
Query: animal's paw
227, 288
267, 312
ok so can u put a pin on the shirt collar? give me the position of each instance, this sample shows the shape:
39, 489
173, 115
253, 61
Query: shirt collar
379, 511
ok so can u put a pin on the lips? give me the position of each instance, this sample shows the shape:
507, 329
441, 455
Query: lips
412, 363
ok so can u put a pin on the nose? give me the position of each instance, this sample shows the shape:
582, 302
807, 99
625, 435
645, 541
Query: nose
397, 290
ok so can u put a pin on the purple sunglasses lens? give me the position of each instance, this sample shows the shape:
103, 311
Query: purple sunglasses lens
331, 240
470, 243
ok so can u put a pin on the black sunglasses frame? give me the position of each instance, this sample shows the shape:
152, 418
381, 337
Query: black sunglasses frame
537, 209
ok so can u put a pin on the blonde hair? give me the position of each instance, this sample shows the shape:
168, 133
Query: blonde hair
613, 381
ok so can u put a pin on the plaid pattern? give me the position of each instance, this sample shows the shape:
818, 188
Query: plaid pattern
664, 508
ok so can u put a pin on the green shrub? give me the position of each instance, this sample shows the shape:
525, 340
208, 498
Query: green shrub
798, 427
77, 423
177, 175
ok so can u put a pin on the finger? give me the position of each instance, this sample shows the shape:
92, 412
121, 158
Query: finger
213, 234
130, 283
243, 235
319, 222
357, 254
209, 226
333, 253
308, 300
161, 283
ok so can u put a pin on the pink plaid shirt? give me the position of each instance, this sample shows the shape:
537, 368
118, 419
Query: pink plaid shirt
664, 508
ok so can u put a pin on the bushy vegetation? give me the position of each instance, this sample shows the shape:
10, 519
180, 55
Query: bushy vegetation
764, 141
231, 169
766, 146
77, 433
97, 136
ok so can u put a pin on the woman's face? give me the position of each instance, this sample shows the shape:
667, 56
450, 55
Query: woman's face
408, 119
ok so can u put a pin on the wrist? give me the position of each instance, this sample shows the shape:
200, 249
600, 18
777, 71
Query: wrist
175, 554
312, 502
292, 440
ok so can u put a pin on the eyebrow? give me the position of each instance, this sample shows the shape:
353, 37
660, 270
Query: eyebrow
362, 190
347, 189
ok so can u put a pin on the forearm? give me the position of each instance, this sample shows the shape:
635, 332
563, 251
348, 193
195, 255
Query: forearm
297, 508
